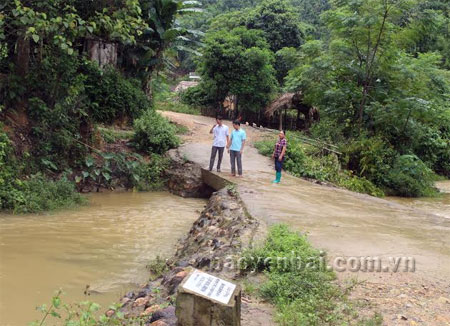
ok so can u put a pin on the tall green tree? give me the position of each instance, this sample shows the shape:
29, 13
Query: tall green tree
239, 62
278, 21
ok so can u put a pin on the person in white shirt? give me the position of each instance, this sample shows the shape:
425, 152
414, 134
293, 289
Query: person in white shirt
221, 138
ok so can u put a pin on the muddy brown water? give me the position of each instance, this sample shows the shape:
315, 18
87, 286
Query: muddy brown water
105, 244
439, 205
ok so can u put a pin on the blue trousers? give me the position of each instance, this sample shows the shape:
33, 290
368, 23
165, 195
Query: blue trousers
278, 164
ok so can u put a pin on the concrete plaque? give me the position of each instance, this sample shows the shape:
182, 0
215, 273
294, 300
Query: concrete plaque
210, 286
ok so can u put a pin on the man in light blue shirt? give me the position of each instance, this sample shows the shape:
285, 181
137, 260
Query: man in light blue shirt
221, 138
236, 147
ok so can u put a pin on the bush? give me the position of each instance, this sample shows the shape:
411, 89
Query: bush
358, 184
7, 171
197, 96
327, 130
112, 96
151, 175
174, 105
370, 158
32, 195
154, 133
433, 148
39, 194
410, 177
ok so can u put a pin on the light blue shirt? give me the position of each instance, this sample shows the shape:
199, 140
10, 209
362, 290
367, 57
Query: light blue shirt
237, 137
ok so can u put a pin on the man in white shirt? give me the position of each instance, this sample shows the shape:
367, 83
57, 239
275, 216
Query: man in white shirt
221, 138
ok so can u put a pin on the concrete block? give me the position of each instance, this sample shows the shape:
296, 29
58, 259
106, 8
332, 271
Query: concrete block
205, 300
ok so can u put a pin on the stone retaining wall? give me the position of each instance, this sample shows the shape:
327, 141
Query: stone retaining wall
222, 231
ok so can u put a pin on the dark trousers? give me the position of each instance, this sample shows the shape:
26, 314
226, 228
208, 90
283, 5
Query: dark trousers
214, 151
236, 156
278, 164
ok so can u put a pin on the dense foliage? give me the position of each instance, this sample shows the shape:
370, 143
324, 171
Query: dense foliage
237, 62
154, 134
68, 65
33, 194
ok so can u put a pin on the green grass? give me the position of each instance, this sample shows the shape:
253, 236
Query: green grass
176, 106
111, 135
303, 294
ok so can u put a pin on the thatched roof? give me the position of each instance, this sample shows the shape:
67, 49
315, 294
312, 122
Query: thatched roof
285, 101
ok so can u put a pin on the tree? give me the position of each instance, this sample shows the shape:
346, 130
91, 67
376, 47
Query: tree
239, 63
276, 18
286, 59
278, 21
309, 12
162, 32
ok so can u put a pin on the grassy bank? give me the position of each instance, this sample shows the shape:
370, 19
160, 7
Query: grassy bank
310, 162
298, 283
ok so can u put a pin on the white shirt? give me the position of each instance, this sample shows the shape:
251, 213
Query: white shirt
220, 135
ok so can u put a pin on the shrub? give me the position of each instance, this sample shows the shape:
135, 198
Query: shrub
327, 130
151, 174
369, 157
433, 148
84, 313
302, 162
174, 105
128, 170
197, 95
112, 96
410, 177
7, 172
358, 184
154, 133
38, 194
35, 194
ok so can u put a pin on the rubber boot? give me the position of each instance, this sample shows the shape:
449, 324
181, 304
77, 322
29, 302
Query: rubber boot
277, 178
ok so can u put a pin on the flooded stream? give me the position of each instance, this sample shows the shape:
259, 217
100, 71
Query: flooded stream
105, 245
439, 205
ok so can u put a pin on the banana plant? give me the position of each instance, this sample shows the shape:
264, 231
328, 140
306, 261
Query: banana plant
164, 32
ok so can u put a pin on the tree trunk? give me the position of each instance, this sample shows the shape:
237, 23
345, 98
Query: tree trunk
22, 59
280, 126
148, 85
369, 70
22, 62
